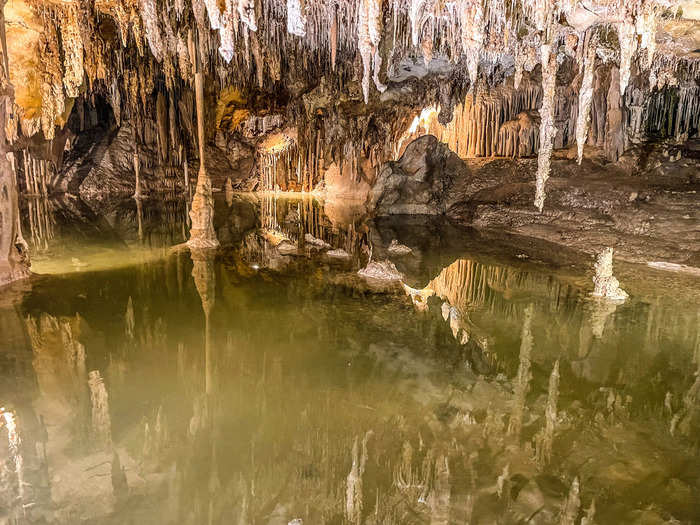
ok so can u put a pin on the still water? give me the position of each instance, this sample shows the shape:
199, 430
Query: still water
268, 383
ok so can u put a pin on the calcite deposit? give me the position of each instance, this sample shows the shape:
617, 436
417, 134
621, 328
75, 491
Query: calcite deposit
210, 87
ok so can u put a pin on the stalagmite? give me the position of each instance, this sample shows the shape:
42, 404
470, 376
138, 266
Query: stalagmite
606, 285
547, 128
585, 97
202, 234
101, 421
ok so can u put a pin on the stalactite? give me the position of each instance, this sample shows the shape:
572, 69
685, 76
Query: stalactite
333, 37
585, 96
72, 53
214, 14
227, 35
149, 14
248, 16
628, 46
547, 127
137, 31
473, 35
52, 99
296, 19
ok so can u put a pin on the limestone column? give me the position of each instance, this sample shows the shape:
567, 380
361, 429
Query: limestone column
14, 253
202, 234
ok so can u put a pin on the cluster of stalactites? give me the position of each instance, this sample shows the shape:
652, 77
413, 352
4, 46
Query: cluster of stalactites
369, 34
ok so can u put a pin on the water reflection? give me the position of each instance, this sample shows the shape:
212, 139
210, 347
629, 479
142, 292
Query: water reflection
194, 388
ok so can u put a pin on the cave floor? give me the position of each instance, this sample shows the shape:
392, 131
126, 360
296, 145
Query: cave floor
267, 382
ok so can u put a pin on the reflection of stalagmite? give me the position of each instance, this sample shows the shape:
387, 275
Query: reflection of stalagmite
600, 311
545, 438
353, 495
606, 285
101, 422
522, 381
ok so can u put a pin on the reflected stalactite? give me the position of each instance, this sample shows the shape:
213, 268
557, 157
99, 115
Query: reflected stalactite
440, 494
101, 420
15, 465
522, 380
129, 320
205, 282
572, 505
354, 483
545, 437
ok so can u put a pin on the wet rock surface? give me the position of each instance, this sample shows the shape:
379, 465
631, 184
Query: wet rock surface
646, 212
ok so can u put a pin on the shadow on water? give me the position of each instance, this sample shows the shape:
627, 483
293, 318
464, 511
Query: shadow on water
267, 382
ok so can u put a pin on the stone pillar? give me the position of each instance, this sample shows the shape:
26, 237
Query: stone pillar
14, 253
202, 234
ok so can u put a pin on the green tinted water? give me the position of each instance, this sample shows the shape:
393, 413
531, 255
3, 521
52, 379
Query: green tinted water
151, 385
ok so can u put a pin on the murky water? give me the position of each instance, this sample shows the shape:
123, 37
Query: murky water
268, 383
